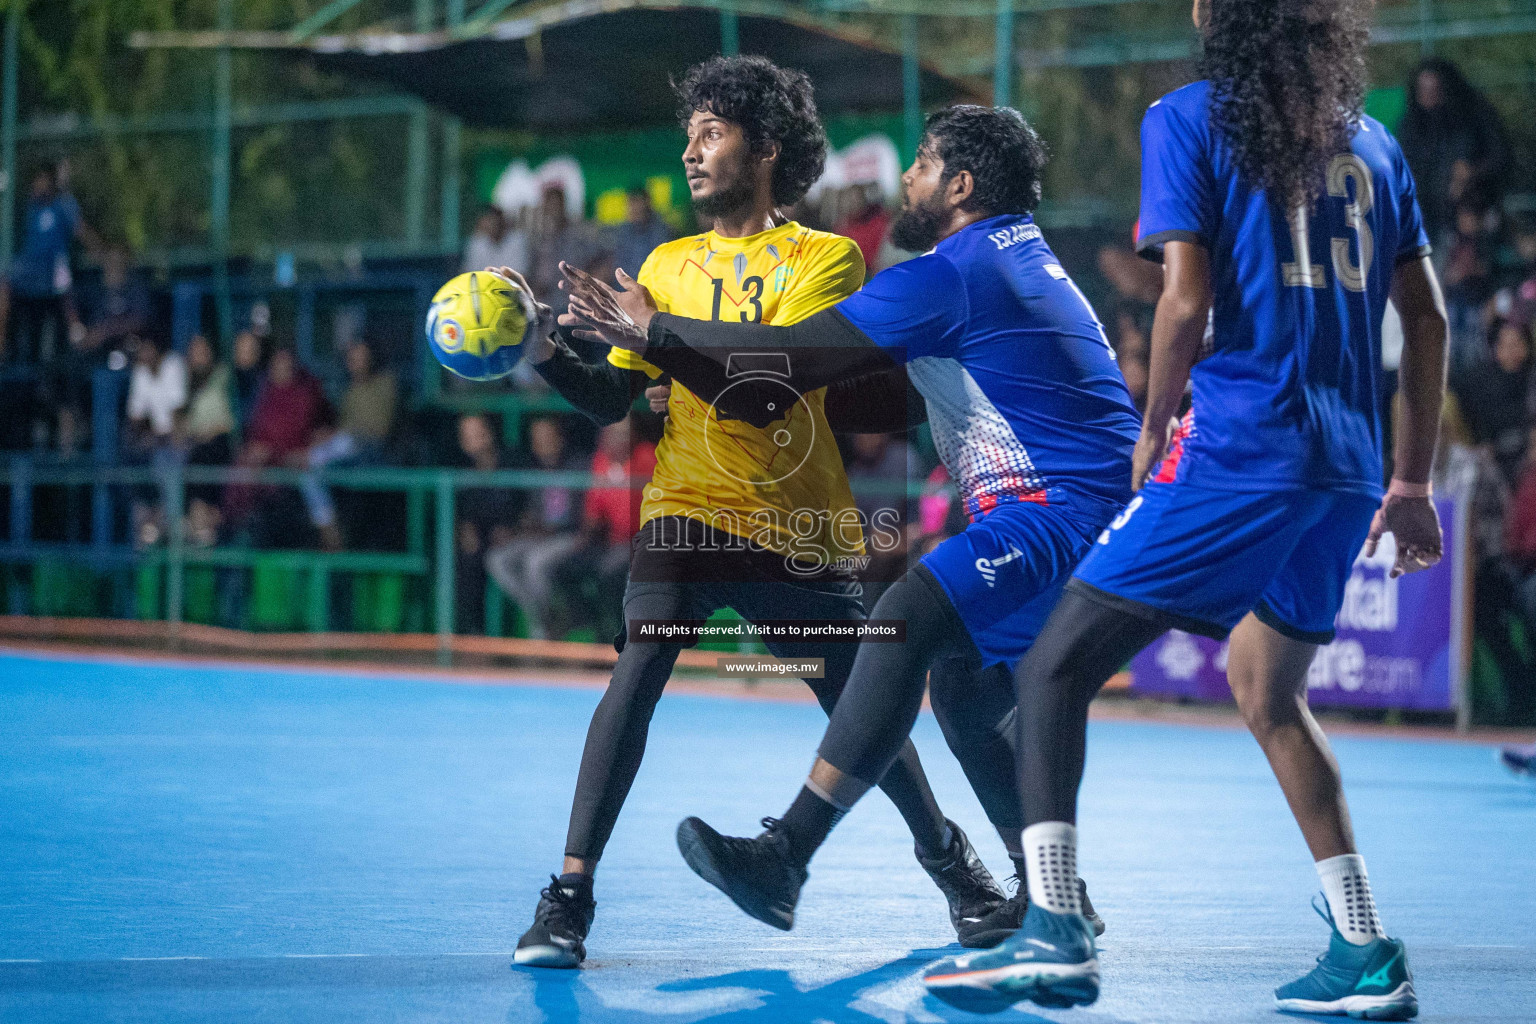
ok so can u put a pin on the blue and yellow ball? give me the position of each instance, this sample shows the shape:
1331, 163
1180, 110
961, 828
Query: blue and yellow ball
477, 324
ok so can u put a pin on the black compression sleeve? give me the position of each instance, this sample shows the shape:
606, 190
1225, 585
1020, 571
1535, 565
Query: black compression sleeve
876, 403
818, 350
601, 390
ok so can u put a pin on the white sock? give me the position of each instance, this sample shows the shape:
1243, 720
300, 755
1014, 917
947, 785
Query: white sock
1050, 863
1348, 892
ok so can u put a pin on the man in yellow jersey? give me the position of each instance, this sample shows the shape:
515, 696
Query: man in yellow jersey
756, 518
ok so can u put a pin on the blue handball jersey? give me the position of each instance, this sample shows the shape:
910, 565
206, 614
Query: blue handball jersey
1025, 399
1291, 395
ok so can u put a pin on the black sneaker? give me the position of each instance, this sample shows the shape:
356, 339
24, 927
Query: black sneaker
1005, 920
965, 882
759, 875
560, 926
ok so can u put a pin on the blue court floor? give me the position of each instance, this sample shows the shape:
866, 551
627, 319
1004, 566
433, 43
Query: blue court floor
207, 843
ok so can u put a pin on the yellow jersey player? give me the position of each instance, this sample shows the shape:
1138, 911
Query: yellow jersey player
757, 518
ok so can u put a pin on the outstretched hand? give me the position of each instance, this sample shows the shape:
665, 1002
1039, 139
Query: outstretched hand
1414, 525
620, 317
542, 345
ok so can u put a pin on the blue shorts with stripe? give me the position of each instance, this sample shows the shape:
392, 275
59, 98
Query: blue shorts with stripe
1204, 558
1005, 572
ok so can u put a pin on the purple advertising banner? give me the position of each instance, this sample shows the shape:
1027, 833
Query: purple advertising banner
1398, 643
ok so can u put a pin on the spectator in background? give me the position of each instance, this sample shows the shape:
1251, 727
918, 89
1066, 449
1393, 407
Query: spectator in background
1469, 282
641, 232
524, 565
867, 224
610, 517
496, 242
35, 305
157, 391
112, 315
1497, 400
485, 517
367, 416
289, 409
1138, 284
208, 433
556, 237
251, 354
1454, 141
887, 463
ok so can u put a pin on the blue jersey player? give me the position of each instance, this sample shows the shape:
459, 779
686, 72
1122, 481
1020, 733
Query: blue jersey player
1285, 219
1029, 412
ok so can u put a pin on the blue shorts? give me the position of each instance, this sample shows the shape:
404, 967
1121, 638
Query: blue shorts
1202, 558
1005, 572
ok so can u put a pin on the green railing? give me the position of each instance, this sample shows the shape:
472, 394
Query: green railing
431, 497
429, 553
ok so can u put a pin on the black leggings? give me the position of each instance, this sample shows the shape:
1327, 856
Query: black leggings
885, 692
975, 710
1085, 641
617, 734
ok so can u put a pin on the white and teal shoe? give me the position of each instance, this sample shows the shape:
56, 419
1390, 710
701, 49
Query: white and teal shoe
1370, 982
1050, 960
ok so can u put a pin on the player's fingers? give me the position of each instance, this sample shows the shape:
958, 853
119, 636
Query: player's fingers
1373, 538
625, 281
587, 335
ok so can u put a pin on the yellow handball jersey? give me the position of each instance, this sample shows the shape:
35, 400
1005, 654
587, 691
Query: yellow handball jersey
783, 487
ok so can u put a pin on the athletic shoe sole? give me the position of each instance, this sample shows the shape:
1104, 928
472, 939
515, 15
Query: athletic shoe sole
1058, 986
698, 857
546, 955
1399, 1004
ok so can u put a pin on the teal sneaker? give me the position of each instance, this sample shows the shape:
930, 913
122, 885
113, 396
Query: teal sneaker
1049, 960
1370, 982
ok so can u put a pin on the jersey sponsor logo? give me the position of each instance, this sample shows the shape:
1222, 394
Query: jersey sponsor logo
1009, 237
988, 566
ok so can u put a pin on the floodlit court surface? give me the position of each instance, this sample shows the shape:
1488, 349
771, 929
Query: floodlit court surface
207, 842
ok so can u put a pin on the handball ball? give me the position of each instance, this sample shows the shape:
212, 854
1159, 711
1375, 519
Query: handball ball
477, 324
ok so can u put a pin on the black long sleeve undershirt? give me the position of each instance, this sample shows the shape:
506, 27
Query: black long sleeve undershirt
819, 350
601, 390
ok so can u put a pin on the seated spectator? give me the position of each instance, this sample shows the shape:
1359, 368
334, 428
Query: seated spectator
157, 391
289, 408
524, 566
366, 419
1496, 398
251, 354
208, 433
610, 517
485, 517
496, 242
641, 232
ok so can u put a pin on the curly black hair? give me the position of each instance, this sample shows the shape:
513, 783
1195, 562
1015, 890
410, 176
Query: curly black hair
770, 104
1287, 86
1003, 153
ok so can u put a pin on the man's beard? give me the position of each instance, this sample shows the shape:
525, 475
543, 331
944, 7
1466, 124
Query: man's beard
917, 227
734, 197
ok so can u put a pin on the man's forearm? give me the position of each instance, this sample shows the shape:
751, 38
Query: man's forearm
1421, 374
818, 351
602, 391
1176, 335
